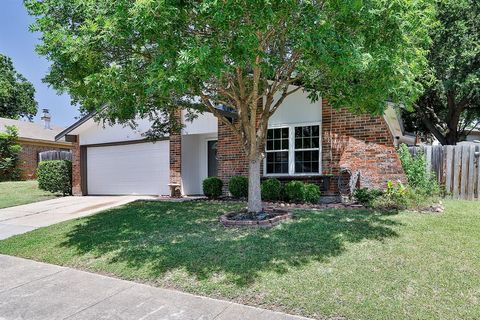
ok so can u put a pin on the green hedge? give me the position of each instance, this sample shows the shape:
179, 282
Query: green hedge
271, 189
299, 192
55, 176
238, 186
212, 187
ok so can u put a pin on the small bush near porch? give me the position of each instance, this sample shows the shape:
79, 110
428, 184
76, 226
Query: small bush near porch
358, 264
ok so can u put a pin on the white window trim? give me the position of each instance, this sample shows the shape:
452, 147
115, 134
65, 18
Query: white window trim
291, 150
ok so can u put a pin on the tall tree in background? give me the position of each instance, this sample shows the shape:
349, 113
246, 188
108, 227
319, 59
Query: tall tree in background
146, 58
17, 94
450, 107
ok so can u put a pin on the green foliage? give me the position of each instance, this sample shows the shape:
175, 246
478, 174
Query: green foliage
17, 95
212, 187
55, 176
312, 193
395, 197
138, 56
416, 171
299, 192
366, 196
271, 189
9, 154
295, 191
238, 186
450, 105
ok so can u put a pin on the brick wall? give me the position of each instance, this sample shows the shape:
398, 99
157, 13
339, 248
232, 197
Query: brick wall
76, 169
176, 154
231, 156
29, 158
360, 143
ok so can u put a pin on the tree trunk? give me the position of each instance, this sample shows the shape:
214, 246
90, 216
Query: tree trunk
254, 193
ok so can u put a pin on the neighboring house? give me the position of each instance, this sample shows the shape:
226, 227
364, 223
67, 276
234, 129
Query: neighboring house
306, 141
35, 138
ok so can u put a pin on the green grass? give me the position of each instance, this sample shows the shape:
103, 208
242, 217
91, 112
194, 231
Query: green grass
356, 264
15, 193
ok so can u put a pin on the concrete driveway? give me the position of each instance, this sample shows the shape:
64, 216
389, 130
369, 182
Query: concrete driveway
24, 218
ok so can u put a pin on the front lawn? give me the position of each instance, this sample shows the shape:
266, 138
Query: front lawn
15, 193
355, 264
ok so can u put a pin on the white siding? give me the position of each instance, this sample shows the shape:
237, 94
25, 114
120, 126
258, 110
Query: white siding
205, 123
194, 162
297, 108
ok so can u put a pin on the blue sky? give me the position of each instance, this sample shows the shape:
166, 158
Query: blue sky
19, 44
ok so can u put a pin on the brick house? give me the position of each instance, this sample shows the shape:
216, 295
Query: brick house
35, 138
306, 141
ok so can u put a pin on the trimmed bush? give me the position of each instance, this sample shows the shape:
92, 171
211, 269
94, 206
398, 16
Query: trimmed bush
212, 187
238, 187
295, 191
366, 196
312, 193
271, 189
55, 176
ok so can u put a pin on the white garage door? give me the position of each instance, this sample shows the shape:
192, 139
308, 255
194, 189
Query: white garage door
141, 168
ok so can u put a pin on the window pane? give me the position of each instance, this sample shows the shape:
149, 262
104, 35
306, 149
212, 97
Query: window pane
298, 132
298, 143
277, 162
307, 137
277, 145
277, 139
269, 134
306, 143
269, 145
306, 161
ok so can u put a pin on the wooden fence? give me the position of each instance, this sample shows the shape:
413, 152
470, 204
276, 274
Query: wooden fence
55, 155
457, 168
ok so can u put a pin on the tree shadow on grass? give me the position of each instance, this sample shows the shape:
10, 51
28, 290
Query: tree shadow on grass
164, 236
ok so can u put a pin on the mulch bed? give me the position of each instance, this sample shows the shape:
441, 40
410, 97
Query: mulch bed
265, 219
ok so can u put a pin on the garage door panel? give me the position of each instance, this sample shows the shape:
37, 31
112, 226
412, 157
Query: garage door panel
141, 168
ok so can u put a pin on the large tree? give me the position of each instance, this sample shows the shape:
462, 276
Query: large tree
17, 94
146, 58
450, 107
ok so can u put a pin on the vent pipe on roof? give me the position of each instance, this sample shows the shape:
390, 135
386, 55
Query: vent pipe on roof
46, 119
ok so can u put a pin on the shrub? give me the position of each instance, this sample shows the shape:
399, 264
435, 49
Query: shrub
238, 187
396, 197
312, 193
415, 169
366, 196
9, 154
271, 189
212, 187
55, 176
295, 191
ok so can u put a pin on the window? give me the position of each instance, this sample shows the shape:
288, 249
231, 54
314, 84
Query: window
307, 149
293, 150
277, 150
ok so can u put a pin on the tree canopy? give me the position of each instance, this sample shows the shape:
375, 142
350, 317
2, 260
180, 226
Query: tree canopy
17, 94
145, 58
450, 107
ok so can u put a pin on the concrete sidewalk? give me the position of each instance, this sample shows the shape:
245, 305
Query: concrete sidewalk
33, 290
24, 218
